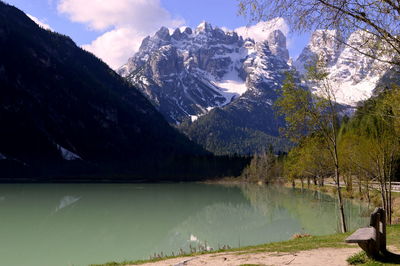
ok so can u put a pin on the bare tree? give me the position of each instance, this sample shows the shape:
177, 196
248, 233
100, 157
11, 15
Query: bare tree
308, 113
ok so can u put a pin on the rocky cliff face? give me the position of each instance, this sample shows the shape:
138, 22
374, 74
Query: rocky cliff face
220, 88
352, 75
191, 71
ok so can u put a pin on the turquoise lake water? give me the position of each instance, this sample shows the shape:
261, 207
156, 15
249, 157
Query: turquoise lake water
79, 224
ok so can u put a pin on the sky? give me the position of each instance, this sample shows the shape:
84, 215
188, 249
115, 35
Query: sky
113, 30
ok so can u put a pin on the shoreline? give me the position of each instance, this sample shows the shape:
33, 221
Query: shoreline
302, 247
326, 189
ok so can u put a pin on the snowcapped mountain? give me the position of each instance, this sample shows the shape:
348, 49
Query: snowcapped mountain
352, 75
188, 72
219, 87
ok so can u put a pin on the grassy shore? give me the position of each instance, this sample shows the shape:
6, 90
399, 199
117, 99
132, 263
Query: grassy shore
297, 244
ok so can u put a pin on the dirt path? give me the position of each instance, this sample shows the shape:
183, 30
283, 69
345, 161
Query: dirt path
315, 257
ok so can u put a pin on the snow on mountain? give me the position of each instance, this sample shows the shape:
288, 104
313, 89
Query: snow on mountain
260, 31
188, 72
231, 84
40, 23
352, 75
68, 155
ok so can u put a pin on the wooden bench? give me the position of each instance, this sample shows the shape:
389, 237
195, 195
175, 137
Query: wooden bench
372, 239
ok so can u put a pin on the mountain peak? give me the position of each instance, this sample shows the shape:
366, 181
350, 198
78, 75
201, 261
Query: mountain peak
177, 34
204, 26
188, 31
163, 33
322, 38
352, 75
277, 37
277, 44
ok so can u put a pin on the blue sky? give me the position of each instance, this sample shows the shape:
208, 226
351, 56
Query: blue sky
113, 29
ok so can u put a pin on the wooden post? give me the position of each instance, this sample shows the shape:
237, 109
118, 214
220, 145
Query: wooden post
382, 230
374, 222
378, 221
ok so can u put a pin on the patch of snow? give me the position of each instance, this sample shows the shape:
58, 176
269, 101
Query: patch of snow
194, 117
203, 26
232, 84
68, 155
349, 93
145, 81
261, 30
40, 23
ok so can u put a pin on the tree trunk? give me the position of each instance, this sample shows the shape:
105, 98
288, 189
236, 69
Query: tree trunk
382, 193
340, 201
339, 193
382, 181
349, 185
387, 199
390, 201
367, 187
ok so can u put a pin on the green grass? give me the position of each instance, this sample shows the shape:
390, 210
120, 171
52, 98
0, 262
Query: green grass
304, 243
393, 235
357, 259
362, 259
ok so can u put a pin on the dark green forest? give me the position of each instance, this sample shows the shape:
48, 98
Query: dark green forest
223, 132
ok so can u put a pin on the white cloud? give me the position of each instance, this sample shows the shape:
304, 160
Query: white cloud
261, 30
101, 15
39, 22
127, 22
116, 46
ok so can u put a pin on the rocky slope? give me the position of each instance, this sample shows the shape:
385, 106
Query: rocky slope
352, 75
190, 73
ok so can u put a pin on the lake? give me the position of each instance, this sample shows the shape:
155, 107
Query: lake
79, 224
